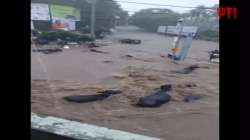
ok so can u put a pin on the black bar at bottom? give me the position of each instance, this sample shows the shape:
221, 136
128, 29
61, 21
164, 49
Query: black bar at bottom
42, 135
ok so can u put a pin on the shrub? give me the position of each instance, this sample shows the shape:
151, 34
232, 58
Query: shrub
208, 35
65, 36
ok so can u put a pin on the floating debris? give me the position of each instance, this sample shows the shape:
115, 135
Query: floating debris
191, 98
66, 47
189, 69
47, 51
98, 51
108, 61
119, 76
130, 41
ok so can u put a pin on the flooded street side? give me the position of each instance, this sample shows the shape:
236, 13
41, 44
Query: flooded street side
136, 70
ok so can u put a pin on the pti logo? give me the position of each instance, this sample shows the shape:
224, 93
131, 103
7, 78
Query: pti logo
227, 12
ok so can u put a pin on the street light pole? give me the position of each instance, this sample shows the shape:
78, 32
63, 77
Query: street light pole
93, 3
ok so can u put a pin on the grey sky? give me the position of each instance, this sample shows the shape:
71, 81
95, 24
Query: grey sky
131, 7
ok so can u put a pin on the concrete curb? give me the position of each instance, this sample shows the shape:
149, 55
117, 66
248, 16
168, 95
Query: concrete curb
81, 131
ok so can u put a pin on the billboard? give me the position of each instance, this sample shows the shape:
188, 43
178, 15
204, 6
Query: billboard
63, 24
64, 17
64, 12
39, 11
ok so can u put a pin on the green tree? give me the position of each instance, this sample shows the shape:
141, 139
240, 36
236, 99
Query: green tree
106, 11
150, 19
207, 21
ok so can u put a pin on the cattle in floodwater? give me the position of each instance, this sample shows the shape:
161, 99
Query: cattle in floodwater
156, 99
90, 98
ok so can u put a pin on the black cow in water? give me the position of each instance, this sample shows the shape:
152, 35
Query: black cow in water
156, 99
90, 98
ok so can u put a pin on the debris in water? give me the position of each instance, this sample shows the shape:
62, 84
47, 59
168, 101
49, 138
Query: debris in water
130, 41
191, 98
66, 47
47, 51
97, 51
130, 55
92, 45
108, 61
119, 76
187, 70
191, 85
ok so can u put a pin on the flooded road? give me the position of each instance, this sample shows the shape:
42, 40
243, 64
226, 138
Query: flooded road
80, 71
82, 65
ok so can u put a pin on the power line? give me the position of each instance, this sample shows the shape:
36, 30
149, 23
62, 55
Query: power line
166, 5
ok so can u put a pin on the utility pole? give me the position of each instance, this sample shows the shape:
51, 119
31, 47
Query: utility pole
92, 26
93, 18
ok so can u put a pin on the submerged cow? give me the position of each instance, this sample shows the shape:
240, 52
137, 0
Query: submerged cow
156, 99
90, 98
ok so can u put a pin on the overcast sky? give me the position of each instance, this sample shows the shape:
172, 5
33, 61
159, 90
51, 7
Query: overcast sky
131, 7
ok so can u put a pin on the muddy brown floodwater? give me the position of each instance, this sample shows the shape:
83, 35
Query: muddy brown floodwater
78, 71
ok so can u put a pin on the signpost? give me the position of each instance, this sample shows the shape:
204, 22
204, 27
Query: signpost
183, 35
